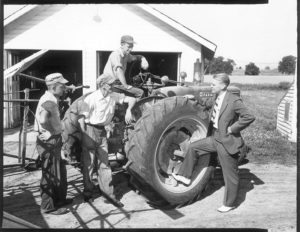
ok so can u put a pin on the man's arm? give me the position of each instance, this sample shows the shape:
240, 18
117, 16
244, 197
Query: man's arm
121, 76
44, 122
82, 123
245, 117
131, 102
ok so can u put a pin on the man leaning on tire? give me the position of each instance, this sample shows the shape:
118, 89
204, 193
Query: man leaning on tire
228, 118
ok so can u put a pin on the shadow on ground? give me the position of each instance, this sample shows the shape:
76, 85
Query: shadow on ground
247, 182
21, 203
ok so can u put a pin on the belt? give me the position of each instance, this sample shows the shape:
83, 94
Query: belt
96, 126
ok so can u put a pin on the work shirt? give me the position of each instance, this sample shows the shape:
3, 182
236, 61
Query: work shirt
49, 103
99, 110
217, 109
117, 59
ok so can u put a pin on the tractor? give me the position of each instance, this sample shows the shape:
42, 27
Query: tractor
167, 119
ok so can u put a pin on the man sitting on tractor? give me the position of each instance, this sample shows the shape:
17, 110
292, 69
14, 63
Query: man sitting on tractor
117, 63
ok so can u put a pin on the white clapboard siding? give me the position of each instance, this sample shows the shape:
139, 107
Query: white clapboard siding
286, 126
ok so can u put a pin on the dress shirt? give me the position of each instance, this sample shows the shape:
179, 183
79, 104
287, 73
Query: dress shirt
217, 108
99, 110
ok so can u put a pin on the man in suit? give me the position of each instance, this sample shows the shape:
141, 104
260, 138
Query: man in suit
228, 118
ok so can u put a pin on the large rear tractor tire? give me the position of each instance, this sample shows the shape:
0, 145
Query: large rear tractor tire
169, 125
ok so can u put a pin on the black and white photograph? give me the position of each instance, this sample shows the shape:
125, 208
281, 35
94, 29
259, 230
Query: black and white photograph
147, 115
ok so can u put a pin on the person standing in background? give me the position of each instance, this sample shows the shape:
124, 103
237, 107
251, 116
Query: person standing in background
53, 184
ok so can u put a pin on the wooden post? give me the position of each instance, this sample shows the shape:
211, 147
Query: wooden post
25, 122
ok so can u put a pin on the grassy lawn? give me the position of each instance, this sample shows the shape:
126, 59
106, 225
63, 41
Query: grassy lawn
267, 145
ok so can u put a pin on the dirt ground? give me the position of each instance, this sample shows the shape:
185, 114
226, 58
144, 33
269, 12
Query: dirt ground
267, 200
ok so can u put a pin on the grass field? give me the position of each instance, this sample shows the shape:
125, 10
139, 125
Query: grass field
267, 145
260, 79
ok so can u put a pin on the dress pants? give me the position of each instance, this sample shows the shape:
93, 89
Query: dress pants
95, 150
228, 163
53, 184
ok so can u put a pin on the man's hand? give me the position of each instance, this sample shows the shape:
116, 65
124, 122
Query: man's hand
144, 63
128, 116
63, 156
229, 130
71, 87
45, 135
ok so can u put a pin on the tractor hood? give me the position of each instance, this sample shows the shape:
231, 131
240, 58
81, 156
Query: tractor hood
196, 91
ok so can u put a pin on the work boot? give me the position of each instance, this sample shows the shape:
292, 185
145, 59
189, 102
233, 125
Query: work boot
88, 199
65, 202
113, 200
55, 211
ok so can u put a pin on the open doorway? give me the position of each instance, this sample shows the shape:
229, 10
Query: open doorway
160, 63
69, 63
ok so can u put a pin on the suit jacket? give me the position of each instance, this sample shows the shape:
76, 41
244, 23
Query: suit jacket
234, 114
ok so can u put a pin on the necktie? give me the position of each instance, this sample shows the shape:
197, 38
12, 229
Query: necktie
214, 112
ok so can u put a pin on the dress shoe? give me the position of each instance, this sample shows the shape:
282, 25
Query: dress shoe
225, 209
181, 179
58, 211
65, 202
114, 201
171, 181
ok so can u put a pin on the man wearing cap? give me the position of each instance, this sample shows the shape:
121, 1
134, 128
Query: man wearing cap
53, 185
228, 118
117, 63
97, 111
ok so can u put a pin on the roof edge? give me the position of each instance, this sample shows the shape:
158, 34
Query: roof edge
18, 14
205, 42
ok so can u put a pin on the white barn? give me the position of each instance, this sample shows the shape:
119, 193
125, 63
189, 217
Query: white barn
287, 113
80, 37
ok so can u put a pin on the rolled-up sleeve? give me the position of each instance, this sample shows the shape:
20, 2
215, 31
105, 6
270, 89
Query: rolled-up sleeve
115, 61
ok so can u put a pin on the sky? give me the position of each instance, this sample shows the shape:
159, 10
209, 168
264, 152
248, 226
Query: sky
262, 33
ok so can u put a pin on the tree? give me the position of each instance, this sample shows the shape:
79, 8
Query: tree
219, 65
287, 65
251, 69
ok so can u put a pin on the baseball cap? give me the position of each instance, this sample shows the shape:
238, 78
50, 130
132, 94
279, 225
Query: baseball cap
55, 78
105, 78
127, 39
